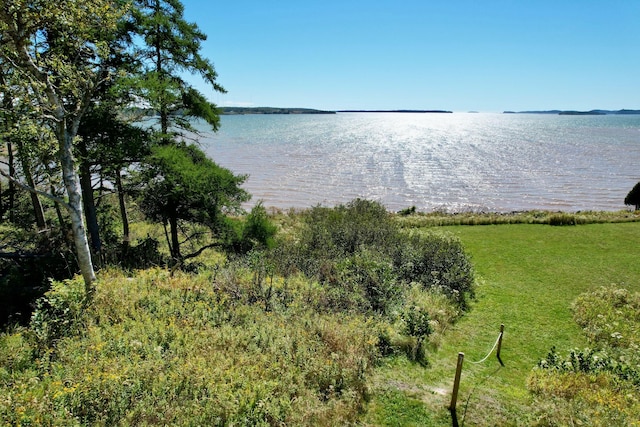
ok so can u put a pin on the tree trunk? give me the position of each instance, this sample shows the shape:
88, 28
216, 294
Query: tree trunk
7, 105
38, 210
72, 185
175, 242
63, 224
89, 201
12, 185
123, 212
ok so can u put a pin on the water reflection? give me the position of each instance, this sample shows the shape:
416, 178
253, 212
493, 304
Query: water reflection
453, 162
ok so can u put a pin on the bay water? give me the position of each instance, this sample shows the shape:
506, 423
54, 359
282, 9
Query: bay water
449, 162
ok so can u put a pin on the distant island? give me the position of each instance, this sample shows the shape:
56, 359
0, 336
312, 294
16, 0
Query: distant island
270, 110
275, 110
394, 111
576, 113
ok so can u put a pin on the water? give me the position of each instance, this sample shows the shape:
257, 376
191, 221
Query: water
451, 162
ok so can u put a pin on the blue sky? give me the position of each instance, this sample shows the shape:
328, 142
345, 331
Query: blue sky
483, 55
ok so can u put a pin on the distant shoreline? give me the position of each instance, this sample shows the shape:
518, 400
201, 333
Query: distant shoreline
275, 110
394, 111
270, 110
577, 113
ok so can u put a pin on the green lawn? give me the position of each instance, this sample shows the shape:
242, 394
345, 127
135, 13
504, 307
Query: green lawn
529, 275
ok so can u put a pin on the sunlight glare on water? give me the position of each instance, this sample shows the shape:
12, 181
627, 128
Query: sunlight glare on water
452, 162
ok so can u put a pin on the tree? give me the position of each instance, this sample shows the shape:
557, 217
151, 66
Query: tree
633, 198
180, 183
61, 50
172, 47
108, 147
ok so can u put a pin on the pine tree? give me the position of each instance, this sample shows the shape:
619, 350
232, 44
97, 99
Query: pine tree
171, 47
633, 198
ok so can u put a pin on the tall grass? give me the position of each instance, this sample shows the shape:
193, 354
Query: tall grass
438, 219
156, 349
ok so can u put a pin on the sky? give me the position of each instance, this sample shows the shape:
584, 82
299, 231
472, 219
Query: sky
458, 55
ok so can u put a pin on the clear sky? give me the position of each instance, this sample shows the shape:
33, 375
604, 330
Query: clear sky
460, 55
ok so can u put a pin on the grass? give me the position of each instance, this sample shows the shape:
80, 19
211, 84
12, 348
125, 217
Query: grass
529, 275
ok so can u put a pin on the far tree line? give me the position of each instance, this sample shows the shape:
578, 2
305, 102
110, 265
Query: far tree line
75, 78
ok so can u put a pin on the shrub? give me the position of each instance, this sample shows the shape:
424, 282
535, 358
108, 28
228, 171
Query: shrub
257, 231
162, 349
57, 314
371, 279
633, 198
39, 257
340, 244
609, 316
438, 262
601, 383
417, 326
344, 230
565, 219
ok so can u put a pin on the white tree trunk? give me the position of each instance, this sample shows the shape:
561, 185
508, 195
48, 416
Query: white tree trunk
72, 185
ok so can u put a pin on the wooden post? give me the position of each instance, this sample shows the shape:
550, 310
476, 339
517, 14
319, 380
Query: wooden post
500, 344
456, 382
454, 394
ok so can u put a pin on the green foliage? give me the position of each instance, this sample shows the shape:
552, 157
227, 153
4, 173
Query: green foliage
633, 198
359, 247
171, 48
609, 316
57, 314
437, 261
373, 275
345, 229
182, 182
157, 348
24, 277
417, 326
407, 211
179, 183
255, 231
565, 219
436, 219
605, 380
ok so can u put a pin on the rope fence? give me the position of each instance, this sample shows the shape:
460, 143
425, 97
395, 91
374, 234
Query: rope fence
456, 382
484, 359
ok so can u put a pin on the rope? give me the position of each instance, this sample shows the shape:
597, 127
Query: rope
490, 351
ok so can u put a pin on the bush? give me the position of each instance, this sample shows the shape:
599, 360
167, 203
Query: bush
633, 198
609, 316
344, 230
257, 231
371, 276
57, 314
417, 326
337, 246
162, 349
565, 219
438, 262
598, 385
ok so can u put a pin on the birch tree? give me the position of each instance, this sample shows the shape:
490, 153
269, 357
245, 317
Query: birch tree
61, 52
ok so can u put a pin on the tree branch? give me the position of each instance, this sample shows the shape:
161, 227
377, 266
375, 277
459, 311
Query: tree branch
199, 251
38, 192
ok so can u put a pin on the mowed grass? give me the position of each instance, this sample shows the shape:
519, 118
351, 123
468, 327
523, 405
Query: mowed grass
528, 277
